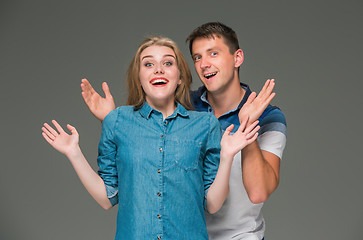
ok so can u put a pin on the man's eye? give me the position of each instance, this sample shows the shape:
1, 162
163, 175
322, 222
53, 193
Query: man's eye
213, 54
196, 58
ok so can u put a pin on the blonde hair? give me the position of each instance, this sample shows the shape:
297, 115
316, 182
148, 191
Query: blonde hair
136, 93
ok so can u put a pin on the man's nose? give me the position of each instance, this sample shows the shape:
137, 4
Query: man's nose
204, 63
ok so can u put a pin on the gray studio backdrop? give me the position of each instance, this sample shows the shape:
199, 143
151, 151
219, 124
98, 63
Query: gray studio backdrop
312, 48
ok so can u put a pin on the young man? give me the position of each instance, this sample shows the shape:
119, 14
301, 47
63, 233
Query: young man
255, 172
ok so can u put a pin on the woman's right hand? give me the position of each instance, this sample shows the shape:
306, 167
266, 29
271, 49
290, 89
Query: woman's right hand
99, 106
60, 140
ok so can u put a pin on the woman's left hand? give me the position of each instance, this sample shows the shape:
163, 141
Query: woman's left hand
232, 144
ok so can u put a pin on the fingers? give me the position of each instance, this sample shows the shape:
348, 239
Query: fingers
270, 98
86, 86
57, 126
243, 124
50, 129
106, 90
267, 89
72, 129
270, 87
251, 97
251, 127
228, 130
47, 138
86, 93
251, 134
249, 141
48, 134
251, 130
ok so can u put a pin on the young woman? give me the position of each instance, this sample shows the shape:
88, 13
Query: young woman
162, 163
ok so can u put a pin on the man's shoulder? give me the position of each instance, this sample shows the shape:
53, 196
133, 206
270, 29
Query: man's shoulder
272, 114
195, 98
273, 119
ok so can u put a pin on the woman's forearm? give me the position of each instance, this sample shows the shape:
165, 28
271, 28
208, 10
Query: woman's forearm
89, 178
219, 189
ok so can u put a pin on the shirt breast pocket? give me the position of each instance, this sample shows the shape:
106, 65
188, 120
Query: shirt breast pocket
186, 153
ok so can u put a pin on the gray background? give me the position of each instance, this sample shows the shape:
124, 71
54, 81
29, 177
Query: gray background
312, 48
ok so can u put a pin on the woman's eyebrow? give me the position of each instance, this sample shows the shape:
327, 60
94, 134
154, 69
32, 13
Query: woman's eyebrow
151, 56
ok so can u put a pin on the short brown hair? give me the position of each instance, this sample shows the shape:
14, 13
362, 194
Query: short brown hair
136, 93
212, 29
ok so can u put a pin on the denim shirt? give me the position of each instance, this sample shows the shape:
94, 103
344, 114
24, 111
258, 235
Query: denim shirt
159, 171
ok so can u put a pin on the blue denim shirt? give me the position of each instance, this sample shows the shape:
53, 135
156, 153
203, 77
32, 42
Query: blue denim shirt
159, 171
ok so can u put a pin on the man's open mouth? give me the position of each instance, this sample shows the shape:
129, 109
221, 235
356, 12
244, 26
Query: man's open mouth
209, 75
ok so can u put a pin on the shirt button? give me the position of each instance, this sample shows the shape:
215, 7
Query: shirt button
160, 149
159, 171
159, 237
159, 194
166, 122
158, 216
161, 135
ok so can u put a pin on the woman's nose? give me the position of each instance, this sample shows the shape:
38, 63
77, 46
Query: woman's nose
159, 69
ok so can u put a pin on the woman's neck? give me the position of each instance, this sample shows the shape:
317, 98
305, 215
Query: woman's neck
167, 108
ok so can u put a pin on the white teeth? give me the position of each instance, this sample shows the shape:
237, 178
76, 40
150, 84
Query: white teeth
157, 81
209, 75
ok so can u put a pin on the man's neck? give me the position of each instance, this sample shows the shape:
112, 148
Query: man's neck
226, 100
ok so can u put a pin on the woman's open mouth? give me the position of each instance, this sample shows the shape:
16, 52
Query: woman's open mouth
159, 81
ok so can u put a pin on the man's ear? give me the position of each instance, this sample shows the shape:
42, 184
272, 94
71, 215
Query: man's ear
238, 58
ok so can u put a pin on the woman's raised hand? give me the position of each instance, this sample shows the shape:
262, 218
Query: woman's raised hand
232, 144
59, 139
99, 106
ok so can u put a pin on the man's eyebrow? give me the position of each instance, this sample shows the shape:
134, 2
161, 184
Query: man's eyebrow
208, 50
213, 49
195, 54
151, 56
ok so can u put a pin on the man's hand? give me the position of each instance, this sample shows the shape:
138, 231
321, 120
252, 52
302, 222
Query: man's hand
98, 105
255, 106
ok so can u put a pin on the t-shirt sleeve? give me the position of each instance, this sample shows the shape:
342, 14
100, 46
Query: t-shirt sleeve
272, 135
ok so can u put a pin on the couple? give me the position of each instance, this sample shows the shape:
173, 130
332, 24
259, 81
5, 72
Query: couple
160, 162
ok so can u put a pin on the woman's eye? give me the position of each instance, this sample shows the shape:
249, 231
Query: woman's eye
168, 63
147, 64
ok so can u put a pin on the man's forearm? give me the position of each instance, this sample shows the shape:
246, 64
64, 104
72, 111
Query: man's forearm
260, 171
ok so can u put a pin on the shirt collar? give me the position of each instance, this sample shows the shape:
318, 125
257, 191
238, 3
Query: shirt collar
245, 87
146, 111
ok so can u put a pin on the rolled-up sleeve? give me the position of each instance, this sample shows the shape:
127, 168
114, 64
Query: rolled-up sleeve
211, 161
107, 150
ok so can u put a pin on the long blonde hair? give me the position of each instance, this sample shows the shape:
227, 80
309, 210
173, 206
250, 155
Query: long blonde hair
136, 93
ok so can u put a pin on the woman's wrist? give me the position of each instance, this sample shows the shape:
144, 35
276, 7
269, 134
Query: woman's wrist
226, 156
74, 153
